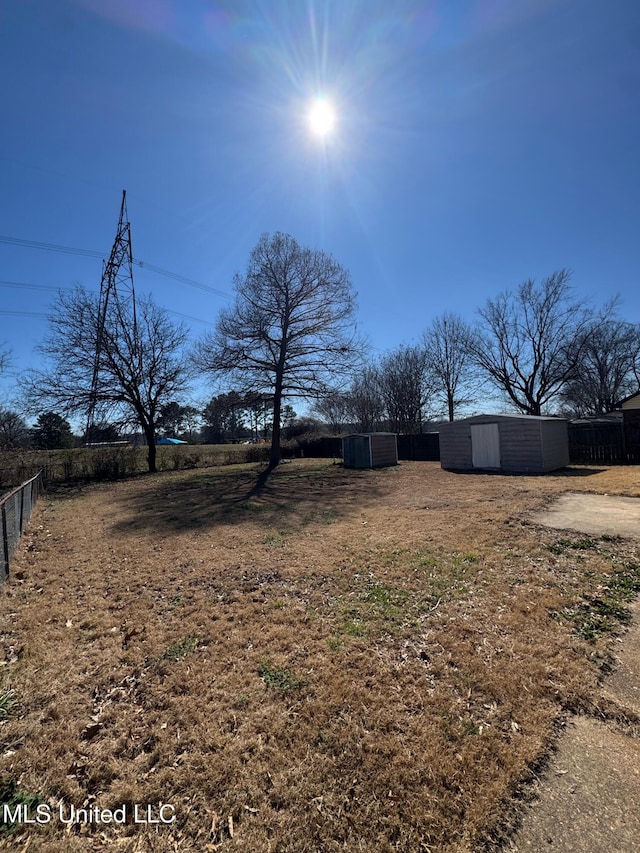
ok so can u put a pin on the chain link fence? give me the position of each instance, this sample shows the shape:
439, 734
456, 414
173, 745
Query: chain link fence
15, 512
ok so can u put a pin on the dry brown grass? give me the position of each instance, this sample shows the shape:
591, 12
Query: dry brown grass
339, 660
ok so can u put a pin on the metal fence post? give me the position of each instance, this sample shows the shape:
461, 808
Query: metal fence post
21, 509
5, 541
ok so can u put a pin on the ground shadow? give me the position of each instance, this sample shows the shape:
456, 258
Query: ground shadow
228, 496
561, 472
576, 472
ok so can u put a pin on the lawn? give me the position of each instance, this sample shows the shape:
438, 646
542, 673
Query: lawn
332, 660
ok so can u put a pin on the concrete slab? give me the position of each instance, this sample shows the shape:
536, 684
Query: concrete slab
595, 514
589, 798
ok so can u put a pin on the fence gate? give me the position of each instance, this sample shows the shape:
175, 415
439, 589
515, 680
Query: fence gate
15, 512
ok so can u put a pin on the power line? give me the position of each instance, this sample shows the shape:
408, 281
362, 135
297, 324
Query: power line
50, 247
189, 317
190, 281
23, 313
90, 253
23, 285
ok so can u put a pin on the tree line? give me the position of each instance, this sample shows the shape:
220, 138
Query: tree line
291, 332
228, 417
538, 349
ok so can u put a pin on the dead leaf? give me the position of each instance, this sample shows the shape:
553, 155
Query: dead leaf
90, 731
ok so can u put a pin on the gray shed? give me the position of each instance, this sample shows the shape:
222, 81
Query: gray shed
370, 450
524, 444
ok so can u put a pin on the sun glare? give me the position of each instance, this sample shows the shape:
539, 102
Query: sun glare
322, 117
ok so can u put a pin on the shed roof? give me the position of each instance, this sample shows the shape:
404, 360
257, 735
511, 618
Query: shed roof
506, 416
630, 402
610, 418
351, 434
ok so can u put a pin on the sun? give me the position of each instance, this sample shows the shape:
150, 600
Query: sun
322, 117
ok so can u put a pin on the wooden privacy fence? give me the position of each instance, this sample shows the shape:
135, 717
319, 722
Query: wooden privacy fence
15, 512
632, 441
589, 444
604, 444
321, 448
420, 447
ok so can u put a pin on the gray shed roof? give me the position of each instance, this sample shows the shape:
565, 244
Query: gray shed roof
507, 415
369, 433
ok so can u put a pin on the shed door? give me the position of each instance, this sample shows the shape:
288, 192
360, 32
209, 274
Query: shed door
485, 446
361, 451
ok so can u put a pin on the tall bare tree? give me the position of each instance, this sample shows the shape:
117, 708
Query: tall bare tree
333, 408
406, 385
447, 346
608, 367
530, 342
291, 330
365, 404
138, 371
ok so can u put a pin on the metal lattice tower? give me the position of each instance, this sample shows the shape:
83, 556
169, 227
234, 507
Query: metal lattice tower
117, 291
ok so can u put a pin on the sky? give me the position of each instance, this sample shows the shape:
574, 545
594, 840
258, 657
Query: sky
476, 144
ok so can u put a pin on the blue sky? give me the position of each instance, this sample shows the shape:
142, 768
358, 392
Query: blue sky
478, 143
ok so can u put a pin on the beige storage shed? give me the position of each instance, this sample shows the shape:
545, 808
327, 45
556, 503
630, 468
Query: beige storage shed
524, 444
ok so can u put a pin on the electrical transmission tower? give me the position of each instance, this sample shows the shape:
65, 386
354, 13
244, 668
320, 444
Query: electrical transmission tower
117, 295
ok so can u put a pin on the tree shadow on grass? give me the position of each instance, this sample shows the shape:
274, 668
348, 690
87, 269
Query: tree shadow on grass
228, 496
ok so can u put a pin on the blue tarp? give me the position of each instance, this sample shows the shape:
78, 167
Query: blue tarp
171, 441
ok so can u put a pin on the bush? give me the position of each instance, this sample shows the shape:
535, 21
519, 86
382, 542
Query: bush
114, 463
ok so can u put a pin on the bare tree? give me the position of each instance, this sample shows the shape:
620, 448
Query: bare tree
13, 430
138, 371
608, 365
333, 409
530, 342
365, 404
4, 359
447, 346
406, 386
291, 330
